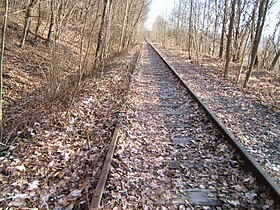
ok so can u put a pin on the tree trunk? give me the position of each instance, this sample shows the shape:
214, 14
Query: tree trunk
27, 21
223, 30
178, 40
242, 60
52, 21
39, 18
274, 61
85, 60
215, 28
229, 39
190, 30
1, 65
263, 7
124, 26
236, 35
107, 33
135, 24
100, 41
203, 26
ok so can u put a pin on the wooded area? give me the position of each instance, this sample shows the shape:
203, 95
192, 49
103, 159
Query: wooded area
66, 70
73, 70
229, 30
66, 42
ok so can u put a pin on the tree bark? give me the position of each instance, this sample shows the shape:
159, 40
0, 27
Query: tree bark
263, 7
215, 28
1, 65
124, 26
228, 49
190, 30
52, 21
236, 35
27, 20
39, 18
134, 24
276, 58
242, 60
101, 35
223, 30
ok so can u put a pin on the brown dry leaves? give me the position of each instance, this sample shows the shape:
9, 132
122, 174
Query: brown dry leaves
250, 114
149, 171
58, 166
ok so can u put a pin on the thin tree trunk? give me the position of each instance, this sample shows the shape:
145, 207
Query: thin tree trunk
52, 21
261, 19
90, 38
242, 60
107, 34
81, 69
135, 24
190, 30
228, 49
236, 35
215, 29
1, 65
27, 20
203, 26
274, 61
39, 18
100, 41
223, 30
124, 26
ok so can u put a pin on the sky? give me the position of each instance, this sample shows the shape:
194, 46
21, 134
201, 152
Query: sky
159, 7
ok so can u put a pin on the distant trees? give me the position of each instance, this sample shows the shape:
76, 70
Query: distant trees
229, 30
76, 37
98, 28
41, 17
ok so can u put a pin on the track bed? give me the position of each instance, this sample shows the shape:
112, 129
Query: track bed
171, 156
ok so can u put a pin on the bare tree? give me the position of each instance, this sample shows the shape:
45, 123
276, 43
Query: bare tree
52, 21
101, 34
229, 39
1, 64
263, 7
223, 30
27, 20
190, 29
124, 25
276, 58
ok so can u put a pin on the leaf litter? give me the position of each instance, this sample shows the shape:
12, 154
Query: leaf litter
57, 166
250, 114
151, 172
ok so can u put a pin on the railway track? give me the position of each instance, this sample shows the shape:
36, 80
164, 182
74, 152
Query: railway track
173, 153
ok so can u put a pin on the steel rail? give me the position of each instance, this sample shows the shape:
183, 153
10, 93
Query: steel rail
99, 189
98, 192
261, 175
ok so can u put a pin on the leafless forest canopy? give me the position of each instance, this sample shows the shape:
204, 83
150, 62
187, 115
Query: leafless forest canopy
59, 43
232, 30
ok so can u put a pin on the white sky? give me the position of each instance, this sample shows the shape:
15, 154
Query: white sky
158, 7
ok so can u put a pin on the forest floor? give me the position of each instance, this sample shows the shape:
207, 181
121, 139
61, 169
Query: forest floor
168, 148
252, 114
51, 154
51, 158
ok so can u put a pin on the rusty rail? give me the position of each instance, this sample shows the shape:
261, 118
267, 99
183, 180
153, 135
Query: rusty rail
98, 192
99, 189
260, 174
